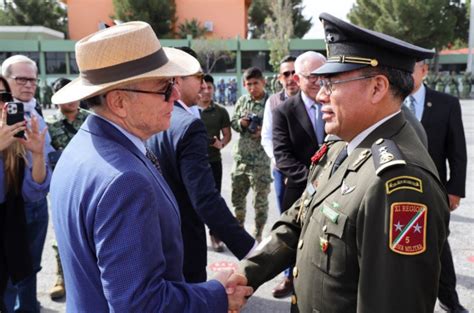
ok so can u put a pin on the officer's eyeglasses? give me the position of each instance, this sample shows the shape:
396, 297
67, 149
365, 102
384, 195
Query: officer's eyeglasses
23, 80
288, 73
326, 84
5, 96
167, 93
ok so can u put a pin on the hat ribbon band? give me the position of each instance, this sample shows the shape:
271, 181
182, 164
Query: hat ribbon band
355, 60
125, 70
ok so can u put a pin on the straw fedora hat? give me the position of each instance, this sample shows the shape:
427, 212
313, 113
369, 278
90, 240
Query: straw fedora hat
119, 55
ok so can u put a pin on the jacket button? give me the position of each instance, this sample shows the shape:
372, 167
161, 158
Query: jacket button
295, 272
293, 299
306, 202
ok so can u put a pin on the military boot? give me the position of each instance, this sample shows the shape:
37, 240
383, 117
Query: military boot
58, 291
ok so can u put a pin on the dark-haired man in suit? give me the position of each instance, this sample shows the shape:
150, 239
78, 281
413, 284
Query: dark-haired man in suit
441, 117
182, 152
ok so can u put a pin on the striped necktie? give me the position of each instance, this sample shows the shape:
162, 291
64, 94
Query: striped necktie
152, 157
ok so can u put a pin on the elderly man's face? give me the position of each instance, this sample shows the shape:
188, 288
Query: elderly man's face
346, 106
148, 114
23, 86
309, 82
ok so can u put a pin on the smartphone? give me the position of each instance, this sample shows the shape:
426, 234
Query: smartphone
15, 114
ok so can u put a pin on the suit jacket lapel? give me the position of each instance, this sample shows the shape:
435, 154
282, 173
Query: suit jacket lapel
299, 110
427, 107
102, 128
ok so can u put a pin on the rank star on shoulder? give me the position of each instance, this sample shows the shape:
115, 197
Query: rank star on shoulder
398, 226
417, 228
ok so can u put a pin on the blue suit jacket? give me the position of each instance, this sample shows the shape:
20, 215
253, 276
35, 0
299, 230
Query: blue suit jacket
117, 225
182, 152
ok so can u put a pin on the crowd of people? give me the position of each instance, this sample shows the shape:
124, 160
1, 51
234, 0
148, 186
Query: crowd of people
367, 163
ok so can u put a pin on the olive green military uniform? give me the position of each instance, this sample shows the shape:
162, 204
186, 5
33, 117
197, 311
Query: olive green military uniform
368, 238
59, 132
251, 166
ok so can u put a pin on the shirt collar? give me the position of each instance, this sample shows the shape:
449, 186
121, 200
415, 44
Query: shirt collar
134, 139
419, 95
360, 137
308, 102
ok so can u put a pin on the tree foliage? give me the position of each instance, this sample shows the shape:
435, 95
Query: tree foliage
191, 27
430, 24
210, 52
48, 13
278, 31
160, 14
260, 10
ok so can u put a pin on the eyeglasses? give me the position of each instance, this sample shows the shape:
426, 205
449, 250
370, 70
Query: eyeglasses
312, 78
167, 93
326, 84
5, 96
24, 80
199, 76
288, 73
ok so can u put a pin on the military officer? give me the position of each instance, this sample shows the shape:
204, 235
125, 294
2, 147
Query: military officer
367, 233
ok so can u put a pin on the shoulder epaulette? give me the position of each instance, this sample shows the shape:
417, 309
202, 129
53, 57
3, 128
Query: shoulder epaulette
386, 154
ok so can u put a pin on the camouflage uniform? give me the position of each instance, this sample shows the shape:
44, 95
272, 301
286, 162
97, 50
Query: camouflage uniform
60, 135
251, 166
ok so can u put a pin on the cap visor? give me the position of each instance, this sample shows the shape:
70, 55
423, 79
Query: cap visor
335, 68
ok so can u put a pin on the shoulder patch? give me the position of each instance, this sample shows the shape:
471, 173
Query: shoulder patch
408, 222
386, 154
404, 182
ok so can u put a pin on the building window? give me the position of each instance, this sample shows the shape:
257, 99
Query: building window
73, 68
55, 62
32, 55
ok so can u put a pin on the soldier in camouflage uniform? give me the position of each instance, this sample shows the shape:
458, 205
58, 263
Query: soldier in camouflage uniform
251, 166
62, 126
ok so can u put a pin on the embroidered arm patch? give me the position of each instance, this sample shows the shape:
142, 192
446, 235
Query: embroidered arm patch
408, 222
404, 182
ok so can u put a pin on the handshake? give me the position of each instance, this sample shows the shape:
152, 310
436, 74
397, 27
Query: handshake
235, 285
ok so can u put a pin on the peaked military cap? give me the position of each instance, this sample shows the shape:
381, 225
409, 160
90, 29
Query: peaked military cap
350, 47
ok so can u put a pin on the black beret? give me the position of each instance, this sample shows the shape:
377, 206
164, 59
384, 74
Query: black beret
350, 47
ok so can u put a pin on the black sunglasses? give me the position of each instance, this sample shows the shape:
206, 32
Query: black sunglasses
167, 93
288, 73
5, 96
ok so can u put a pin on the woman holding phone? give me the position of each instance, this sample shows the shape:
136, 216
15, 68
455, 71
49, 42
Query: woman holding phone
24, 177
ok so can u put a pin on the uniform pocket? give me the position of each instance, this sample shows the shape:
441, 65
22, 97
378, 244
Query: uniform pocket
331, 250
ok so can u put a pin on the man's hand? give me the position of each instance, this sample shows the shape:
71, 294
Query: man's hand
236, 289
453, 202
244, 122
217, 143
258, 134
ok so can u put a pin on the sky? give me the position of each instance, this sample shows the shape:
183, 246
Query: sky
313, 8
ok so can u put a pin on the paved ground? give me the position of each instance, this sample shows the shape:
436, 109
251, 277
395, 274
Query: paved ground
461, 238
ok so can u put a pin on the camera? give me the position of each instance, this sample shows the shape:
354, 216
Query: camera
255, 122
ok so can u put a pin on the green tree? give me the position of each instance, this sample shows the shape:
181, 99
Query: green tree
191, 27
160, 14
48, 13
430, 24
261, 9
278, 31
